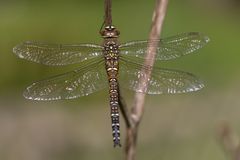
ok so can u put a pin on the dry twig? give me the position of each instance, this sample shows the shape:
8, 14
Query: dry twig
230, 141
138, 107
108, 12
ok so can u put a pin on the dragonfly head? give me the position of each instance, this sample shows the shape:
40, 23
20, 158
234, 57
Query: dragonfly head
110, 32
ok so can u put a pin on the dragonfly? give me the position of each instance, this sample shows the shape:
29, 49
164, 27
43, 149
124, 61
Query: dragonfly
111, 65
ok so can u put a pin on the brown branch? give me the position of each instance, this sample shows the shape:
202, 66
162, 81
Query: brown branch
230, 141
108, 12
138, 107
124, 111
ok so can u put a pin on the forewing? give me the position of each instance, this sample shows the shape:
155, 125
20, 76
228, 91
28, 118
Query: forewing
77, 83
162, 81
57, 54
168, 48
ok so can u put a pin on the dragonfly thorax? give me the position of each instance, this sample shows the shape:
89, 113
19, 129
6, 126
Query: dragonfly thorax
110, 32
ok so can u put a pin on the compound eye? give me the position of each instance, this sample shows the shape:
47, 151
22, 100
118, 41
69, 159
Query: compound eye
109, 28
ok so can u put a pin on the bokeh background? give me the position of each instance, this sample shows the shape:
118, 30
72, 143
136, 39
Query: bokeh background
182, 127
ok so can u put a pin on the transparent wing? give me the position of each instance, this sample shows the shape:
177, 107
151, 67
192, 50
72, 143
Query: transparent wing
169, 48
56, 54
162, 81
77, 83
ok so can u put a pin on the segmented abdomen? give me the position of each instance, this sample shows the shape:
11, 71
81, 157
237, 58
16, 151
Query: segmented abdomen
114, 104
111, 62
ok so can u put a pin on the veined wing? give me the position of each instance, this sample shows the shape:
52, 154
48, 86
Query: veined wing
169, 48
57, 54
162, 81
77, 83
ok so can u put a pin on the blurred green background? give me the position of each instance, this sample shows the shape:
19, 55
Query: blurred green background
182, 127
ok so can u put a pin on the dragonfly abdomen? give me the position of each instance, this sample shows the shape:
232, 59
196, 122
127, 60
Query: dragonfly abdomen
114, 104
112, 66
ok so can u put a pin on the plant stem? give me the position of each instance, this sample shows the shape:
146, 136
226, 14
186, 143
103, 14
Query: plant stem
138, 107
